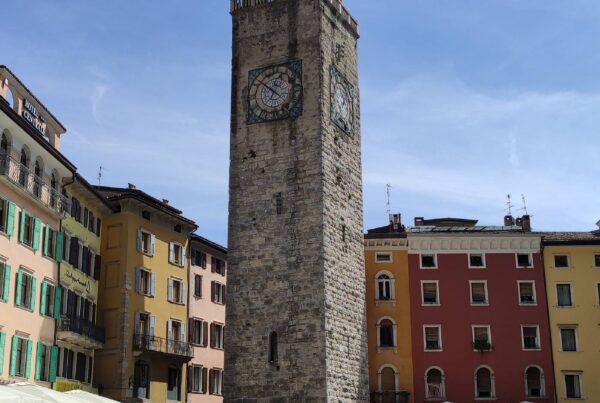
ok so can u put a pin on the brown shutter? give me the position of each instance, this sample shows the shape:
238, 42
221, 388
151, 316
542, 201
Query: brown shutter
205, 333
204, 380
191, 330
212, 291
213, 264
190, 378
212, 335
224, 291
211, 375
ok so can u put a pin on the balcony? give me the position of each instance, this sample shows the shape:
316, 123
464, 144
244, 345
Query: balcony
482, 345
148, 343
20, 176
80, 332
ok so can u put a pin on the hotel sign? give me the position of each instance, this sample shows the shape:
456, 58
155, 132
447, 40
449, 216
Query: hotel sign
79, 281
31, 115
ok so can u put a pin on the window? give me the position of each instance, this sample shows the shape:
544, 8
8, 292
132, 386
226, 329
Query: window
37, 179
434, 384
218, 266
476, 260
145, 242
217, 293
484, 382
145, 282
428, 262
173, 384
385, 287
4, 281
76, 209
20, 358
46, 362
479, 295
527, 293
29, 230
7, 217
23, 169
50, 242
176, 254
534, 382
50, 300
561, 261
176, 291
572, 385
273, 348
198, 258
25, 290
383, 257
216, 381
217, 336
531, 337
141, 380
597, 292
4, 144
67, 363
563, 294
429, 291
597, 260
482, 340
197, 286
197, 379
568, 339
146, 215
524, 260
386, 333
432, 337
198, 332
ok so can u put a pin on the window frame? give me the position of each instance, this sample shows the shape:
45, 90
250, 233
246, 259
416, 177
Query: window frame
542, 383
538, 340
174, 258
492, 383
442, 384
435, 261
596, 260
25, 354
218, 297
575, 337
389, 254
571, 294
151, 242
486, 301
597, 293
578, 374
148, 274
197, 285
391, 282
220, 339
201, 368
530, 261
394, 333
437, 291
181, 297
488, 332
30, 288
483, 260
532, 282
217, 373
439, 335
5, 277
566, 255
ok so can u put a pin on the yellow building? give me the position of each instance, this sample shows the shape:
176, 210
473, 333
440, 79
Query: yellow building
77, 335
572, 265
143, 299
388, 313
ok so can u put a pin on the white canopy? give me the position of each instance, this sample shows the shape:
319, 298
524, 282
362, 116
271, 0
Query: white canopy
89, 397
14, 396
24, 392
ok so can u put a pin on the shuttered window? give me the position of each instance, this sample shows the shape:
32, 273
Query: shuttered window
4, 281
25, 290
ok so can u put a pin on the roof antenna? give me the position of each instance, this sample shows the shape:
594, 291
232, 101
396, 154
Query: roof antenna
524, 204
389, 194
99, 177
509, 205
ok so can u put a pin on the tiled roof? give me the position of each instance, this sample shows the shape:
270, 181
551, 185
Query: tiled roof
208, 242
573, 238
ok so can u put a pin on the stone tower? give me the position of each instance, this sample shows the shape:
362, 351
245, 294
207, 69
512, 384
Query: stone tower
295, 323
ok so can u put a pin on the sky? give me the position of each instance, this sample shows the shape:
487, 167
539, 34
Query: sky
462, 102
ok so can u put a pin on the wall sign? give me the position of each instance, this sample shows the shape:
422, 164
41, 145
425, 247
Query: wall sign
31, 114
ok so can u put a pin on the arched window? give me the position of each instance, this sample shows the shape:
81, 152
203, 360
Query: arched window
434, 384
54, 189
386, 332
534, 381
4, 144
384, 286
484, 382
388, 383
273, 353
37, 179
141, 380
24, 170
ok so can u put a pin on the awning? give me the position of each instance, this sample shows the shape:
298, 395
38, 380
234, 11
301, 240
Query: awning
23, 392
87, 397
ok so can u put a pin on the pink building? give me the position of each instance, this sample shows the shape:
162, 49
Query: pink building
206, 319
31, 244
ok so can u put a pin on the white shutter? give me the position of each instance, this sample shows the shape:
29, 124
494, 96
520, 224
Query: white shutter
183, 256
171, 252
152, 242
169, 330
183, 293
152, 284
137, 323
152, 323
182, 332
170, 290
139, 240
138, 277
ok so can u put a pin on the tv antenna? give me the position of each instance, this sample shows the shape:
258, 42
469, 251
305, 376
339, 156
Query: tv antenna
389, 195
99, 177
524, 204
509, 204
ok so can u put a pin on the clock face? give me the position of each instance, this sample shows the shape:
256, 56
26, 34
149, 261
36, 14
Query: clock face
342, 102
275, 92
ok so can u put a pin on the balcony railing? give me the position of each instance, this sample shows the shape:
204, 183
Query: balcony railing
482, 345
82, 327
21, 176
147, 342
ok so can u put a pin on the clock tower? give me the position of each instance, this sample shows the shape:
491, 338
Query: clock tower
296, 319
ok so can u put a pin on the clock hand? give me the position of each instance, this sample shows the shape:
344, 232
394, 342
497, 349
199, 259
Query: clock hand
269, 88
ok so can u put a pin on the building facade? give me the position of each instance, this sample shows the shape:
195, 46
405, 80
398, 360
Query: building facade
208, 271
388, 313
77, 334
296, 317
480, 326
143, 302
572, 265
31, 207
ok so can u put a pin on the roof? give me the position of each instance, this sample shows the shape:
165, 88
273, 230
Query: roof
34, 97
208, 242
446, 221
571, 238
114, 194
80, 179
488, 229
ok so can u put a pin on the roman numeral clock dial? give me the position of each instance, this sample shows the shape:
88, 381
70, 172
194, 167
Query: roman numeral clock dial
342, 102
275, 92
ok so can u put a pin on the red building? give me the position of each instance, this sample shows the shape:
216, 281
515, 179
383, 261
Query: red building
478, 307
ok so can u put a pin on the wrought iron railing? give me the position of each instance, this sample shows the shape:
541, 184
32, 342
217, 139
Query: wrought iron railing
21, 176
82, 327
147, 342
482, 345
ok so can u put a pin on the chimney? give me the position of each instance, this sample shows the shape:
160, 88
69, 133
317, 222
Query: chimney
165, 201
526, 223
395, 221
509, 221
131, 186
419, 221
598, 224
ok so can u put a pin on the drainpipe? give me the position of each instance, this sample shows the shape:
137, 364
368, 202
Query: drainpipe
548, 316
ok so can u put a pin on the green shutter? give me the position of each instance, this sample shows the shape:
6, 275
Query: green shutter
6, 284
2, 342
22, 225
38, 361
46, 236
53, 363
60, 243
57, 301
28, 360
12, 370
44, 298
18, 292
10, 219
32, 299
37, 226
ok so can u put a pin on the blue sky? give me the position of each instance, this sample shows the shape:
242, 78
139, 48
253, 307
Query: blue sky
462, 102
